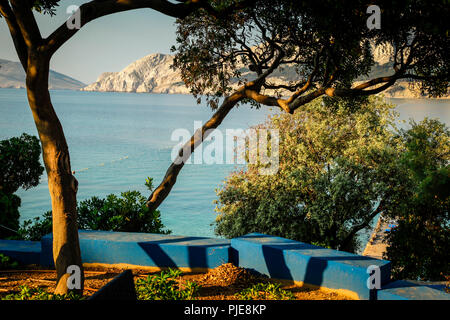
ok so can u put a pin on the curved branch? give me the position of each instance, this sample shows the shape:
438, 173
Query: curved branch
95, 9
27, 23
351, 234
170, 178
16, 34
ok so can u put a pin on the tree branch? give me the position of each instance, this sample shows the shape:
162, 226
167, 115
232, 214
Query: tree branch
365, 223
16, 34
95, 9
27, 23
170, 178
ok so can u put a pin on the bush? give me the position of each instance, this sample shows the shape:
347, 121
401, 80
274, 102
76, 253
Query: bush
336, 173
9, 215
20, 163
164, 287
265, 291
418, 246
126, 213
19, 167
27, 293
7, 263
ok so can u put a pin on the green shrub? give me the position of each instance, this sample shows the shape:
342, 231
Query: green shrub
335, 175
20, 167
20, 163
418, 247
127, 213
9, 215
27, 293
35, 229
265, 291
7, 263
164, 287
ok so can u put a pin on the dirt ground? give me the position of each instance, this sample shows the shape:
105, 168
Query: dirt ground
221, 283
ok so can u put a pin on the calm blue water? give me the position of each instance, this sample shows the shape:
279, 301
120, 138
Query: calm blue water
116, 140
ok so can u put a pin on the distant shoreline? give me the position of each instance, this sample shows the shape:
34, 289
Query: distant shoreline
188, 94
376, 247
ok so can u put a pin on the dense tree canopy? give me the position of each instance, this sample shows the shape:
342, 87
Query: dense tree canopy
326, 43
336, 173
418, 246
316, 48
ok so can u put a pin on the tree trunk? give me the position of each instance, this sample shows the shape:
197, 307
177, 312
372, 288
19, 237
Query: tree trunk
62, 184
169, 180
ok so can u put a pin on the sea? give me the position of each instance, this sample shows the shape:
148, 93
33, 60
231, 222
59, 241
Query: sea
117, 140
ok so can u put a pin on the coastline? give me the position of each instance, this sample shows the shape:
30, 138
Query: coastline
375, 247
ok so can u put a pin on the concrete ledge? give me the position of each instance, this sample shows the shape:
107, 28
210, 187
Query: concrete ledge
145, 249
276, 257
304, 263
409, 290
26, 252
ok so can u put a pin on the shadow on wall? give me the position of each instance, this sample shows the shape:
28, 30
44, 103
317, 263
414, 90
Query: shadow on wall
190, 251
313, 273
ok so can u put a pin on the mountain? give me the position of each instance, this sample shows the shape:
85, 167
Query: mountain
13, 76
149, 74
153, 74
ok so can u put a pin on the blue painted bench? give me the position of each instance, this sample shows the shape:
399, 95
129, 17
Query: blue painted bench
307, 264
146, 249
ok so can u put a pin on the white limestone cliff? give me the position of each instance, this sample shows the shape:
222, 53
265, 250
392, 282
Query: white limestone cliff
154, 74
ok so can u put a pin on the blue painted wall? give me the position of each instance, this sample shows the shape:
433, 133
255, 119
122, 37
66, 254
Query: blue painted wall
273, 256
26, 252
292, 260
145, 249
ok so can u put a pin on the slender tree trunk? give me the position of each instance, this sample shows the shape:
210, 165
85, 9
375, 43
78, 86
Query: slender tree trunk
62, 184
169, 180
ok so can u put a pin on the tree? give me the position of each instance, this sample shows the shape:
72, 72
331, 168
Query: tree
335, 175
34, 53
20, 167
418, 246
325, 45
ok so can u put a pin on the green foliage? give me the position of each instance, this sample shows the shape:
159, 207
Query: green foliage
19, 163
265, 291
126, 213
27, 293
164, 286
41, 6
9, 215
336, 172
418, 247
45, 6
7, 263
34, 229
149, 183
19, 167
311, 38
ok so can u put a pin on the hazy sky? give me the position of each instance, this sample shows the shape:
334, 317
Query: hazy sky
106, 44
